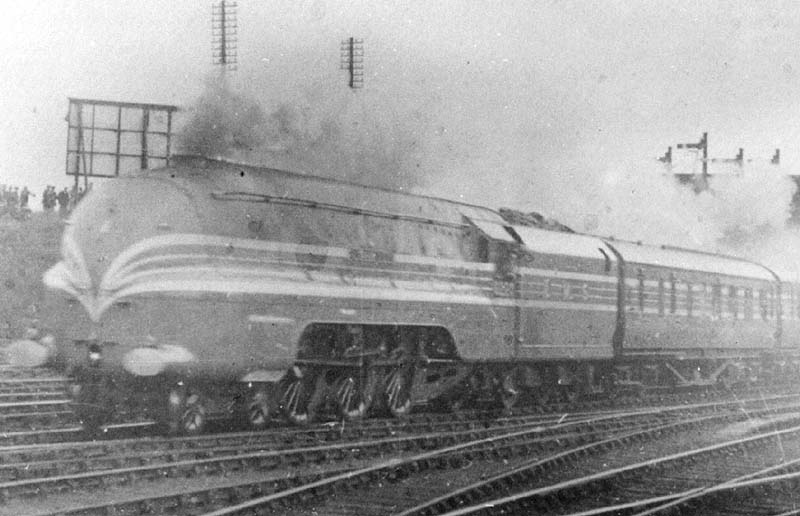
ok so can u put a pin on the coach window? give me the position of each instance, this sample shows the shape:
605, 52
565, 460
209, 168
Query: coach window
673, 297
772, 297
763, 304
689, 298
798, 310
702, 299
748, 304
797, 307
716, 299
640, 275
732, 301
660, 296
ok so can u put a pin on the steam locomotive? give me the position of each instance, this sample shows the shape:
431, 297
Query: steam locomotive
212, 286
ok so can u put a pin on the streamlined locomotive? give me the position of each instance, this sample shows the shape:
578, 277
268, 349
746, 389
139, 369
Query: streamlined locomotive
215, 286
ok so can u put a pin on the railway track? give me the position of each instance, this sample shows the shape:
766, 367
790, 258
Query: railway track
752, 475
672, 481
351, 494
34, 407
228, 470
66, 467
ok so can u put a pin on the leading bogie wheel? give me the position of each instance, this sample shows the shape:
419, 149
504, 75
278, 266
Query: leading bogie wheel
186, 412
509, 390
258, 409
91, 404
193, 417
571, 393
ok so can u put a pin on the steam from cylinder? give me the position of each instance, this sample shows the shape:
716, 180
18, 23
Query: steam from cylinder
30, 353
150, 361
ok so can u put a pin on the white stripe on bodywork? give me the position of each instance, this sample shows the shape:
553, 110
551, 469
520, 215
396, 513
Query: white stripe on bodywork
269, 319
580, 276
443, 262
224, 274
125, 258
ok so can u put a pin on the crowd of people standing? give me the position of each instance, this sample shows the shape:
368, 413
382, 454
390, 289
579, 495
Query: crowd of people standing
15, 201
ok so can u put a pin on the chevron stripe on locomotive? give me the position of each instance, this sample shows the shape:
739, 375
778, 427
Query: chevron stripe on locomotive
214, 287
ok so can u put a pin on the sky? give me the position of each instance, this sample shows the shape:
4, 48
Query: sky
555, 106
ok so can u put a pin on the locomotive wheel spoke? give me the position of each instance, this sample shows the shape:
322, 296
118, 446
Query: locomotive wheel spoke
303, 397
186, 413
353, 394
294, 401
398, 393
193, 418
258, 409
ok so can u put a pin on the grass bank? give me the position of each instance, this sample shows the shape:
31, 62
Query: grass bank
27, 249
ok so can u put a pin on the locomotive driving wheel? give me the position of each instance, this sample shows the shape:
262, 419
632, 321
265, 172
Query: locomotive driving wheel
302, 397
353, 392
398, 392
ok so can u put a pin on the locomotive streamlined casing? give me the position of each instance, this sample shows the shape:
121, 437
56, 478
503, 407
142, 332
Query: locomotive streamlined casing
192, 271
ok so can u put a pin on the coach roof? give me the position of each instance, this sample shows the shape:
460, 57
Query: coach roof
677, 258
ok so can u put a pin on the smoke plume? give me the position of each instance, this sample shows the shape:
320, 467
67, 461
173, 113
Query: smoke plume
336, 138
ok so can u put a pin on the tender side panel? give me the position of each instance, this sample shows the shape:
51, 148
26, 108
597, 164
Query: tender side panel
569, 308
568, 296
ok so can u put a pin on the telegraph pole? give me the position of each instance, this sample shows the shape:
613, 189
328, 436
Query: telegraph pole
224, 34
352, 60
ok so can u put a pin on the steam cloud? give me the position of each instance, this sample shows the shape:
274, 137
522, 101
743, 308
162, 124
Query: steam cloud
335, 139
